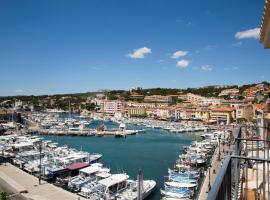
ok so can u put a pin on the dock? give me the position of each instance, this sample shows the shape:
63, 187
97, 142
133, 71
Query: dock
87, 132
26, 186
216, 164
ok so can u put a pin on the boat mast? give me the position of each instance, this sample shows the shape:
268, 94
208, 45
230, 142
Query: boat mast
69, 109
140, 185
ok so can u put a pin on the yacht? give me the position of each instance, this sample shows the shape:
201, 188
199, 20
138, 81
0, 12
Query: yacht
132, 192
175, 193
85, 175
106, 188
181, 185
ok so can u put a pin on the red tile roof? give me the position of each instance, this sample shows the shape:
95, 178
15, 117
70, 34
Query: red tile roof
260, 106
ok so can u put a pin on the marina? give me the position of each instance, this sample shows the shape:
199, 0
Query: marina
188, 174
59, 124
156, 147
181, 152
135, 100
73, 168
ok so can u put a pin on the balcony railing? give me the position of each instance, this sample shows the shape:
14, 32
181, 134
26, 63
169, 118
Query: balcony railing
245, 175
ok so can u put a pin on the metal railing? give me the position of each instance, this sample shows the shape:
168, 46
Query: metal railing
245, 175
222, 188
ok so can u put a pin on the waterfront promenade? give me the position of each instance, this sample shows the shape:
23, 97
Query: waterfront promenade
216, 165
25, 186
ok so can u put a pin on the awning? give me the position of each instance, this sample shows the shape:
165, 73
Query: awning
76, 166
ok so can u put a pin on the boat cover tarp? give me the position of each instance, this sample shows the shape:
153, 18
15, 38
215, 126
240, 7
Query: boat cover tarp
78, 165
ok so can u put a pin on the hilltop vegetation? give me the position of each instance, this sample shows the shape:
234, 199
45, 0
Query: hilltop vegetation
80, 101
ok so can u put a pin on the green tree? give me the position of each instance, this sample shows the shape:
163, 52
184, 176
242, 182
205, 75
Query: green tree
3, 196
90, 106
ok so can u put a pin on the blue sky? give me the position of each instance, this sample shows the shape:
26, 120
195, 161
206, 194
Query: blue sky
49, 47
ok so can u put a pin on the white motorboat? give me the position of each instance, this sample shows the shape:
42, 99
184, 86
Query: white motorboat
85, 175
105, 188
181, 185
132, 192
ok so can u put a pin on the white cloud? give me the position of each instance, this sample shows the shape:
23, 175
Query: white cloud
139, 53
235, 68
18, 91
250, 33
206, 68
182, 63
178, 54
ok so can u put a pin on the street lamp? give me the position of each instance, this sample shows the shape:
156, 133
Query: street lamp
209, 183
219, 149
3, 156
40, 149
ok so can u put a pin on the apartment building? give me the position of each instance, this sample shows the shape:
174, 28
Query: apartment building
135, 111
184, 112
147, 105
197, 99
211, 101
111, 106
163, 113
202, 113
229, 91
158, 98
225, 115
244, 111
194, 98
136, 96
231, 103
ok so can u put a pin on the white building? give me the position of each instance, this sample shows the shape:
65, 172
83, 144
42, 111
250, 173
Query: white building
163, 113
158, 98
198, 99
111, 106
229, 91
194, 98
232, 103
146, 105
211, 101
18, 104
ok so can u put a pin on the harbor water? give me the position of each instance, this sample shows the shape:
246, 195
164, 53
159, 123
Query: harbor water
153, 152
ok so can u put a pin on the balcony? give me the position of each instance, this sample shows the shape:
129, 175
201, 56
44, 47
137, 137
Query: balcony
245, 175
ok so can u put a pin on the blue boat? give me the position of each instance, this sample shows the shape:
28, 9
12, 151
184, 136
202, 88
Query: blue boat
176, 192
181, 179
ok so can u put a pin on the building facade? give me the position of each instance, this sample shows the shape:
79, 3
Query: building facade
265, 26
223, 115
111, 106
244, 111
158, 98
